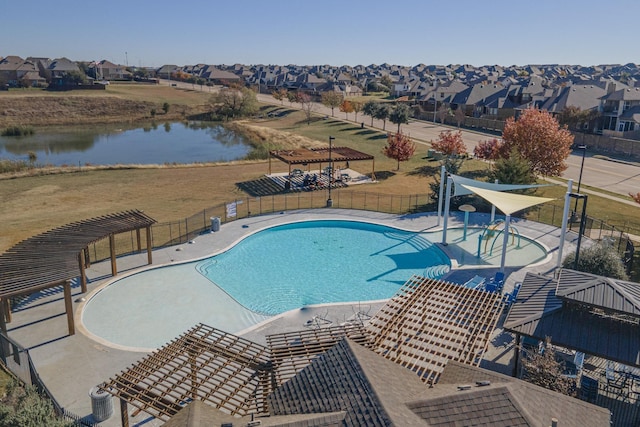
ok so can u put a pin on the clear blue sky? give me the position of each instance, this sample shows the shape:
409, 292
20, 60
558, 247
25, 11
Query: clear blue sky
334, 32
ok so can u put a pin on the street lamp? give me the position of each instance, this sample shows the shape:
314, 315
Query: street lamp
329, 201
584, 151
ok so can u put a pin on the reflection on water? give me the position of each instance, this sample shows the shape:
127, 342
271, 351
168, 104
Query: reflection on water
117, 144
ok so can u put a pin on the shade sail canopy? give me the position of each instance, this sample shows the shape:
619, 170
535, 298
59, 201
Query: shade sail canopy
460, 183
508, 203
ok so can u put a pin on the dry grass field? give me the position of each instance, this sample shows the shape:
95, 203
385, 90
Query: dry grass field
35, 203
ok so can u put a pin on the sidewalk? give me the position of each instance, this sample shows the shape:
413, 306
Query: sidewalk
71, 365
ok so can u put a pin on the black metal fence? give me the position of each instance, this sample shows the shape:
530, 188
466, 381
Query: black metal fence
17, 360
178, 232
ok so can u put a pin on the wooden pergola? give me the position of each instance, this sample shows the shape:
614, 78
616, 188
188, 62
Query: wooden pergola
426, 324
58, 256
227, 372
291, 352
429, 322
305, 157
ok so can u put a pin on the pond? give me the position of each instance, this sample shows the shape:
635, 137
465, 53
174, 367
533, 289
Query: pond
179, 142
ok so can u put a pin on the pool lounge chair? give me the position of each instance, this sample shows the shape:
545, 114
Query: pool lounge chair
475, 282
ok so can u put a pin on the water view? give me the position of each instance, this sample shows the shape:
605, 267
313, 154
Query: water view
178, 142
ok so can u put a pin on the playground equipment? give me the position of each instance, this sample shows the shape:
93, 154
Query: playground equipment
493, 231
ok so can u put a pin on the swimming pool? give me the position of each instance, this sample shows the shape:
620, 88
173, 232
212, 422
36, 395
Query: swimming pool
269, 272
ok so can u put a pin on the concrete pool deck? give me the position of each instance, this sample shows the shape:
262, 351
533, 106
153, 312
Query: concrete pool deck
71, 365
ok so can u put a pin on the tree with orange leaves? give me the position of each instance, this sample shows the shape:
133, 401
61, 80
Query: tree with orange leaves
399, 147
449, 143
539, 139
346, 107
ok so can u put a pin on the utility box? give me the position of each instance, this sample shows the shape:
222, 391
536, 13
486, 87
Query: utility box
215, 224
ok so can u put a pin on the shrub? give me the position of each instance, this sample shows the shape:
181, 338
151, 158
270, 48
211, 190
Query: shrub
24, 407
17, 131
601, 259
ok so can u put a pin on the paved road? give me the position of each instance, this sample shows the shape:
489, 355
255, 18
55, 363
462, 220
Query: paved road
616, 177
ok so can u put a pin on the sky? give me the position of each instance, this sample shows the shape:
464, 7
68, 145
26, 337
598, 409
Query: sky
334, 32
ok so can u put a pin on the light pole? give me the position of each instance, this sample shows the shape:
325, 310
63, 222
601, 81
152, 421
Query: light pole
329, 201
584, 151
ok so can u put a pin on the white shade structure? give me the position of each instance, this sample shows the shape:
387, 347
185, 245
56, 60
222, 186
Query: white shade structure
507, 203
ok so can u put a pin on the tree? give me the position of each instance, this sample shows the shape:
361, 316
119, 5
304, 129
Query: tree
544, 369
292, 97
400, 115
487, 150
382, 113
443, 112
346, 108
399, 147
165, 107
307, 104
538, 137
459, 115
369, 109
601, 258
575, 118
512, 170
570, 116
280, 94
331, 99
386, 81
451, 145
635, 197
75, 77
357, 107
232, 102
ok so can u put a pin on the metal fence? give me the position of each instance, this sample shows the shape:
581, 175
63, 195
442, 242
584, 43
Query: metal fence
178, 232
17, 360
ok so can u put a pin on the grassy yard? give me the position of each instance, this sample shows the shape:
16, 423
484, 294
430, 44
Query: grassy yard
34, 204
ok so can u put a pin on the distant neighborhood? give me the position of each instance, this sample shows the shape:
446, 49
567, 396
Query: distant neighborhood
603, 99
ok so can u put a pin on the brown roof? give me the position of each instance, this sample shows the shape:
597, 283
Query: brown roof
319, 155
505, 401
375, 392
52, 257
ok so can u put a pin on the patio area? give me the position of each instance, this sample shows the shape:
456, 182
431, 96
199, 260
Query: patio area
70, 365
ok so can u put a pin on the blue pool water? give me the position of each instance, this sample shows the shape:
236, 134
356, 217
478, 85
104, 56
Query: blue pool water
294, 265
269, 272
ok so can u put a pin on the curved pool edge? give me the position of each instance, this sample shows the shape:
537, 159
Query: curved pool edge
387, 220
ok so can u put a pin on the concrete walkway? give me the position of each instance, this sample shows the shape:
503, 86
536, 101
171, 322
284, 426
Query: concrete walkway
71, 365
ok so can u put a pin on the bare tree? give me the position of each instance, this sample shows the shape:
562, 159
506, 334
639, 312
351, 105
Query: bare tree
308, 106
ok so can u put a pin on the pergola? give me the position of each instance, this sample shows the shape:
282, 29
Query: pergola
429, 322
227, 372
305, 156
58, 256
588, 313
426, 324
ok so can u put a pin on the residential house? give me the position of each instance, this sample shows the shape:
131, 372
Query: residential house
106, 70
620, 110
57, 70
584, 97
9, 70
167, 71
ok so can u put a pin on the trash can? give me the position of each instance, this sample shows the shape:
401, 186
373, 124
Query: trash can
215, 223
101, 404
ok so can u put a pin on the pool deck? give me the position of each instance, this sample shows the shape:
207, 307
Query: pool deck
71, 365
